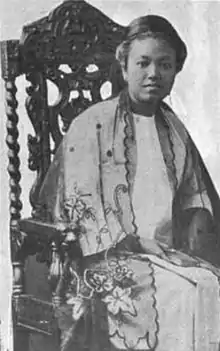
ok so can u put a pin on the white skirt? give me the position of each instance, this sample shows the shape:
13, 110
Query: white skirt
186, 301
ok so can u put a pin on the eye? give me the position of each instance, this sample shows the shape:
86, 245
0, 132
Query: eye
143, 64
166, 65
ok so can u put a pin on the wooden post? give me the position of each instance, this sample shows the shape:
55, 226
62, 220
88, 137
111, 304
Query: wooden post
10, 70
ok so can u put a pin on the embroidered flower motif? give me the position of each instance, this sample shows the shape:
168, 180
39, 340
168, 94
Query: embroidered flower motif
79, 209
120, 270
78, 307
76, 209
120, 301
100, 281
104, 230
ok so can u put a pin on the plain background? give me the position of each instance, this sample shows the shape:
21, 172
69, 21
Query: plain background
197, 89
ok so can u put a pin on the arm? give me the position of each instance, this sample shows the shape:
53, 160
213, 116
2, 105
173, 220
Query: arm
196, 220
193, 189
69, 192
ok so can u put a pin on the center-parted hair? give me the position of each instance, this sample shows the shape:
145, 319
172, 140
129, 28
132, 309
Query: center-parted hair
156, 27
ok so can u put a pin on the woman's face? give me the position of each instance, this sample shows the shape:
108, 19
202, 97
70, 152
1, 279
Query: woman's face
150, 71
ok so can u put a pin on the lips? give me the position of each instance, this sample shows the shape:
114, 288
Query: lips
152, 86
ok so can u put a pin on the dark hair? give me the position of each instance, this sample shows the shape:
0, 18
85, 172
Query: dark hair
156, 27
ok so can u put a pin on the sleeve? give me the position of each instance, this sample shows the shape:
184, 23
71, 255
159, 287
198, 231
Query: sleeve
193, 221
194, 192
71, 192
68, 171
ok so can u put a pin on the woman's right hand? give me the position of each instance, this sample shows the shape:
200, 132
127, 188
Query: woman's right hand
136, 244
151, 246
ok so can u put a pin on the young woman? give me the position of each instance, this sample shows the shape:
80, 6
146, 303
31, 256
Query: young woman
128, 184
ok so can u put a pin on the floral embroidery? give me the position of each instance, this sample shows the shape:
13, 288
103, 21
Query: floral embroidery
112, 283
119, 301
78, 307
119, 270
99, 281
75, 208
104, 230
103, 281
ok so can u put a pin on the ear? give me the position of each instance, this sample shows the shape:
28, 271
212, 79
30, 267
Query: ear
124, 71
120, 57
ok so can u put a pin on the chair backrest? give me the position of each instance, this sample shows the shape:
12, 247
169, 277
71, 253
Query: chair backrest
73, 47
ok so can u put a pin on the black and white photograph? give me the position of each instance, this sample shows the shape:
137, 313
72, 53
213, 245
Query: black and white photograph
109, 182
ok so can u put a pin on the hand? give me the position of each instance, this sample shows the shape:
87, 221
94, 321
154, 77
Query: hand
152, 247
201, 236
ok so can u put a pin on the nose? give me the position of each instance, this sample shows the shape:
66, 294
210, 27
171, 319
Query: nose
153, 71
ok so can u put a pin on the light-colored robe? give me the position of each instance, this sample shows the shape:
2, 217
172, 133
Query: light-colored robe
150, 304
88, 180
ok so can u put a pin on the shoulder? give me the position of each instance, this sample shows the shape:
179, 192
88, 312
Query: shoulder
100, 112
84, 126
175, 121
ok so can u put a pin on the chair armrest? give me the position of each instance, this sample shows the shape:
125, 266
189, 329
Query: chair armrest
41, 230
38, 236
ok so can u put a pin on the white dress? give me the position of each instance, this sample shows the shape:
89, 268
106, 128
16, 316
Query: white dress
152, 193
188, 320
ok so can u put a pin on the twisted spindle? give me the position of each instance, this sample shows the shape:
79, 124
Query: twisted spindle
14, 179
55, 273
13, 151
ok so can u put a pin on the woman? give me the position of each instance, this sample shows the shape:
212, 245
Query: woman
128, 185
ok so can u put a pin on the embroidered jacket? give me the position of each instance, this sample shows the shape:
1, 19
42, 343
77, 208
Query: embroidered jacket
90, 181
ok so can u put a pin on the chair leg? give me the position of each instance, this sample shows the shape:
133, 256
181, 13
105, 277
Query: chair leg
21, 337
21, 340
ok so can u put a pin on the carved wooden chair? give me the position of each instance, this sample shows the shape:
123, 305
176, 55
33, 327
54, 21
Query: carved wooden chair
79, 36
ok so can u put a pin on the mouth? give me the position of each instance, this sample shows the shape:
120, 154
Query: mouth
152, 86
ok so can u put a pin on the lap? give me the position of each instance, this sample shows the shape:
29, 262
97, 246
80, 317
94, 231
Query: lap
167, 303
150, 303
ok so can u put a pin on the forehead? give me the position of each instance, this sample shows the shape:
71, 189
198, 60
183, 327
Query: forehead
151, 47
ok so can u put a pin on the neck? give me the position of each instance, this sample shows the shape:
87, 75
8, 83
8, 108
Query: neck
146, 109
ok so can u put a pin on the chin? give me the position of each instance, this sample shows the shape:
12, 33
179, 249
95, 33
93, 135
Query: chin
151, 99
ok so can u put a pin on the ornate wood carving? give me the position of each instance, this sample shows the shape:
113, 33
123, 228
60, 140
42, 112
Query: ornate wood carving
73, 48
73, 32
39, 144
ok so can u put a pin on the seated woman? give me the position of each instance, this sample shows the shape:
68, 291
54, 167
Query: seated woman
128, 185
